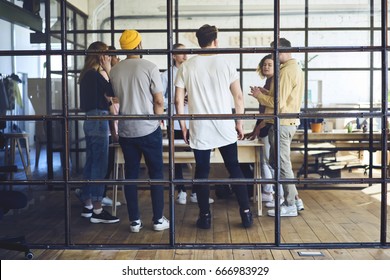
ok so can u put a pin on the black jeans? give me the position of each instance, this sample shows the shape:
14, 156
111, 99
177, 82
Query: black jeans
179, 166
202, 170
150, 146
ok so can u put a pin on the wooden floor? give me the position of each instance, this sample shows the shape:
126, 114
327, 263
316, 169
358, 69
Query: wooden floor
330, 216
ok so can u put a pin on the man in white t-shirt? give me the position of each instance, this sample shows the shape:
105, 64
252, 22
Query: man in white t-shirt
178, 60
210, 81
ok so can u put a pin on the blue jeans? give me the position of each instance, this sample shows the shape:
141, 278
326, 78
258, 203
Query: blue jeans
202, 170
150, 146
96, 138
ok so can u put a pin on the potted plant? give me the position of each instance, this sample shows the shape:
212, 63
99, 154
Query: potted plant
316, 124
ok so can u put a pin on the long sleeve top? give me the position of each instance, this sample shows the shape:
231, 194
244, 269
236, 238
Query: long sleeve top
93, 88
291, 87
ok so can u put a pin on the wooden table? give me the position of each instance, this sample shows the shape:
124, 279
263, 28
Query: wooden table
248, 152
12, 140
337, 140
341, 139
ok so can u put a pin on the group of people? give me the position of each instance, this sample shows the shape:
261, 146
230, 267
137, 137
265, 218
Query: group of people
139, 88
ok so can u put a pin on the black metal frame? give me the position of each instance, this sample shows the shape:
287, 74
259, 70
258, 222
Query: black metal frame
172, 31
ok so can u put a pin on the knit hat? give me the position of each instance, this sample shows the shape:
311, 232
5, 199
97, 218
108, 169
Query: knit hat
130, 39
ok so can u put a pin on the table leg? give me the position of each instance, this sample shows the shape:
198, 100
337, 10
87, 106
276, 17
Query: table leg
115, 188
257, 188
28, 153
26, 167
12, 155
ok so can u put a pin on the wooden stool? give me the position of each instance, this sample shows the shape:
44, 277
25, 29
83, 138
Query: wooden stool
10, 150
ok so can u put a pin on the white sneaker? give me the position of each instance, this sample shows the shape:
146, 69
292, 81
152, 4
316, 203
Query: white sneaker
194, 199
266, 197
162, 224
299, 204
136, 225
106, 201
182, 198
271, 204
285, 211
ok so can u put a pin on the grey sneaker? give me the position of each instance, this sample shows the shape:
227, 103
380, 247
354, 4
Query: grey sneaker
266, 197
271, 204
285, 211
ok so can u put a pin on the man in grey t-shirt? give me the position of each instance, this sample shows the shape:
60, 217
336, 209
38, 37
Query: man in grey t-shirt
137, 84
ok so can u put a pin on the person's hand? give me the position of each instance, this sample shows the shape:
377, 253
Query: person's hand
264, 90
254, 134
256, 91
249, 136
105, 63
240, 130
186, 135
115, 138
115, 99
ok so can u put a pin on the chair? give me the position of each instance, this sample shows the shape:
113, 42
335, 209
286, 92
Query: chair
12, 200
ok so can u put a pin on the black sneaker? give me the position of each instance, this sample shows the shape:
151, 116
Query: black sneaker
104, 217
246, 219
86, 213
204, 221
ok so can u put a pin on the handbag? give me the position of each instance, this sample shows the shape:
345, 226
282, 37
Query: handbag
264, 131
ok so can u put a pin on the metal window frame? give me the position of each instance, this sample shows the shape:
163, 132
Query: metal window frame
173, 30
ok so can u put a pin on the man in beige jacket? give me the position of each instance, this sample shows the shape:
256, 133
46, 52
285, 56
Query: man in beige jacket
291, 87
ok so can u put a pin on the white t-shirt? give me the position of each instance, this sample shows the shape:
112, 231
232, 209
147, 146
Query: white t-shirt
134, 82
207, 80
164, 79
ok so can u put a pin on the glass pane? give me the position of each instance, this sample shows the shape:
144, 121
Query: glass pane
292, 14
194, 15
253, 39
337, 14
133, 12
258, 14
339, 38
70, 20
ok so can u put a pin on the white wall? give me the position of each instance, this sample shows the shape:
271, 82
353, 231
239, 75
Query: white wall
5, 44
81, 5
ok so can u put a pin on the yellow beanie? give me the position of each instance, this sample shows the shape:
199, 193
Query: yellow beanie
130, 39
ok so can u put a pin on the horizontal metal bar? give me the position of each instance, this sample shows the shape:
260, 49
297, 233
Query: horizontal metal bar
198, 51
195, 246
